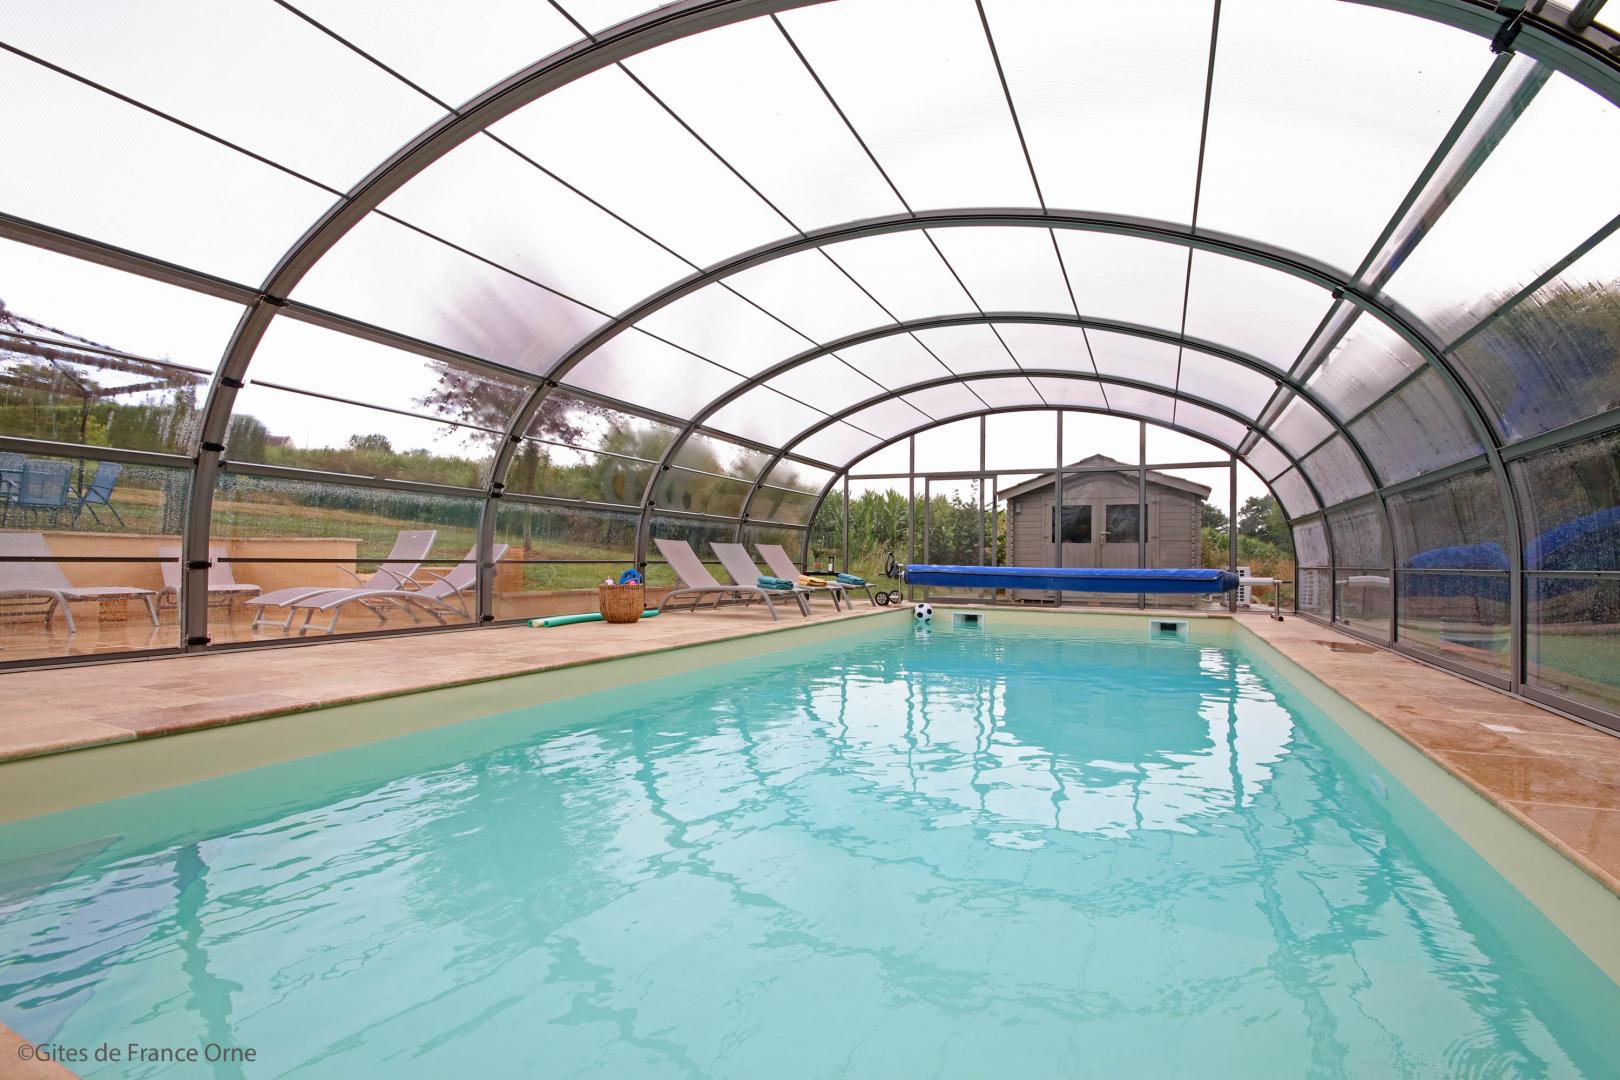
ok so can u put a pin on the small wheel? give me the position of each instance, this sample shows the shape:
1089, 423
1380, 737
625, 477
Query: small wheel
894, 596
882, 599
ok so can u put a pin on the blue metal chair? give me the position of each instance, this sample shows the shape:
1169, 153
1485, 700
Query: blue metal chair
99, 493
11, 466
44, 489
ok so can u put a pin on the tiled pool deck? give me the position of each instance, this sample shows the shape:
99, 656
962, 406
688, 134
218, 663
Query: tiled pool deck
1560, 778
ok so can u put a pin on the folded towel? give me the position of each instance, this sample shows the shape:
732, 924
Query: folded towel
850, 579
812, 582
775, 583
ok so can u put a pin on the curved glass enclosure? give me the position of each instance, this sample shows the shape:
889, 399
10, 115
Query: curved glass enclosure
314, 292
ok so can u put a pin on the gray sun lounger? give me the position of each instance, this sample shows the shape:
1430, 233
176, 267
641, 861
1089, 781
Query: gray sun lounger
739, 564
783, 566
440, 597
697, 582
411, 546
42, 577
223, 588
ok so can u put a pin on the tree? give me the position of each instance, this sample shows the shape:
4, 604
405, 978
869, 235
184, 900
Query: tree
371, 444
1214, 518
1262, 519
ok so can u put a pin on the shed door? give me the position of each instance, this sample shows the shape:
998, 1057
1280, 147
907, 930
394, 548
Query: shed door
1077, 532
1116, 540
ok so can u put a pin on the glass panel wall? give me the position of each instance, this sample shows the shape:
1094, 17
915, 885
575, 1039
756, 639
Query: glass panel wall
1361, 568
550, 558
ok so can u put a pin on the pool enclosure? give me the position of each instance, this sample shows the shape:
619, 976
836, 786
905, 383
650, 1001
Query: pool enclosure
285, 282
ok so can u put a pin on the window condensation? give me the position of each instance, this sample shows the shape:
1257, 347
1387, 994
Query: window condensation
1458, 524
1310, 543
1570, 501
1294, 493
1420, 429
1336, 472
1368, 360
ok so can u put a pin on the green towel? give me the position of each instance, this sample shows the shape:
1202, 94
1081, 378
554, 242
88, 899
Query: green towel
775, 583
850, 579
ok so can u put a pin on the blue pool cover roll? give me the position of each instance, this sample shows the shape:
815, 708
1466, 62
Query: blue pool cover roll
1072, 579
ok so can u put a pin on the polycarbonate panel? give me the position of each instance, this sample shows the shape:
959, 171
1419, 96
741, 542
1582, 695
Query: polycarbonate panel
640, 369
1267, 459
1012, 269
828, 383
296, 430
1554, 357
1418, 430
1225, 383
894, 458
781, 133
1456, 524
483, 197
1469, 263
1110, 98
1336, 472
394, 277
720, 325
453, 52
968, 348
904, 272
1358, 536
1141, 403
59, 393
763, 414
776, 504
1007, 393
1054, 348
1125, 278
273, 518
606, 136
837, 444
307, 357
172, 194
888, 418
1253, 309
1300, 426
705, 453
1366, 362
562, 472
1081, 393
45, 292
895, 360
1570, 502
1294, 493
274, 95
1571, 638
924, 95
809, 293
1132, 357
798, 476
1463, 617
1311, 147
598, 15
577, 422
1222, 429
951, 399
699, 493
1310, 543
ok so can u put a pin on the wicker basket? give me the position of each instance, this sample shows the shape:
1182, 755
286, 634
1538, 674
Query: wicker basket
621, 603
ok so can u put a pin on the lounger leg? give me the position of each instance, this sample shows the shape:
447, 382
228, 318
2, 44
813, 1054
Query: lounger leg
151, 609
67, 615
770, 607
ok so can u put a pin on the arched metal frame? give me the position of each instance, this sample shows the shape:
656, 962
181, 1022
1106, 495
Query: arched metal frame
1567, 41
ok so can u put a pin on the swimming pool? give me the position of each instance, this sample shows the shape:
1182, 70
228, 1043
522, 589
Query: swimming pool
1054, 849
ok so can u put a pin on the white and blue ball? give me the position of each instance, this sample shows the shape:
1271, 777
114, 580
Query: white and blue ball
923, 613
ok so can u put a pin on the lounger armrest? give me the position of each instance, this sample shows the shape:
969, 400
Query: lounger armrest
358, 579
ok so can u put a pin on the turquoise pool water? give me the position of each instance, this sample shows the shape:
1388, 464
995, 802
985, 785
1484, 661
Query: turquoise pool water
975, 854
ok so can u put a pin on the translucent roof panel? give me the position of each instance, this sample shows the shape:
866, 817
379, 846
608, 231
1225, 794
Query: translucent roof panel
811, 294
1079, 393
485, 198
1336, 472
705, 453
640, 369
1265, 313
1468, 264
1132, 357
125, 312
837, 444
1300, 426
572, 421
1297, 500
762, 414
1219, 427
949, 399
904, 272
948, 140
828, 383
697, 206
1240, 388
176, 195
1125, 279
1143, 403
1007, 269
1054, 348
274, 97
888, 418
722, 326
1131, 79
895, 360
1554, 357
1011, 392
1417, 430
1266, 459
1366, 362
395, 277
453, 53
798, 476
1311, 147
973, 347
782, 134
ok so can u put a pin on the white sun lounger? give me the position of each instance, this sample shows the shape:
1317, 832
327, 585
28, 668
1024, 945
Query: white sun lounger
697, 582
783, 566
411, 546
222, 584
741, 566
438, 597
43, 578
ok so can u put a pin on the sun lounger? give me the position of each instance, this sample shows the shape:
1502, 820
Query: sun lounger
223, 588
741, 567
697, 582
437, 598
43, 578
782, 565
411, 546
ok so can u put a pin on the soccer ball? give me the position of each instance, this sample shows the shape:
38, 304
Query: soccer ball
923, 612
